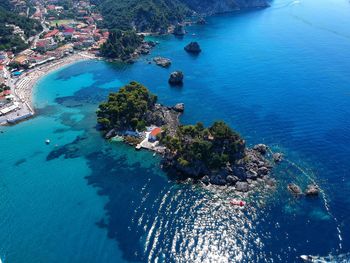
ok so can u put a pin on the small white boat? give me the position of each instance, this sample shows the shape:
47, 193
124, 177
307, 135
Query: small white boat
47, 142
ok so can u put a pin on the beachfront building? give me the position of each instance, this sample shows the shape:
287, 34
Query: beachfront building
46, 45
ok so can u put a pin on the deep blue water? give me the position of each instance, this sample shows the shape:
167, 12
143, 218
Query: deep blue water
279, 76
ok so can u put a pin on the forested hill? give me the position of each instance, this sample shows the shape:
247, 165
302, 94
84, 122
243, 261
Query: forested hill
157, 15
8, 18
143, 15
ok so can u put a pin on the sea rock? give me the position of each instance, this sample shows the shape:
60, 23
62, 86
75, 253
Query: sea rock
294, 189
218, 179
251, 174
163, 62
179, 107
176, 78
242, 186
263, 171
193, 47
205, 179
231, 180
312, 190
179, 30
261, 148
277, 157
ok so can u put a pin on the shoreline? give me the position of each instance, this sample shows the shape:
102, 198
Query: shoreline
23, 86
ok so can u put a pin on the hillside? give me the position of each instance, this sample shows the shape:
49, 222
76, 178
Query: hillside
157, 15
8, 19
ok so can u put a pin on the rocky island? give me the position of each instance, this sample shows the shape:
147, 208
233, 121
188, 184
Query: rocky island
217, 154
193, 47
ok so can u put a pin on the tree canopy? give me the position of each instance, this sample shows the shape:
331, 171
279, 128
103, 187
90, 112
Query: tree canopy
142, 15
213, 146
120, 45
8, 40
127, 108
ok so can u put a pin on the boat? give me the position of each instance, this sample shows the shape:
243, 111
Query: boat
47, 141
239, 203
154, 154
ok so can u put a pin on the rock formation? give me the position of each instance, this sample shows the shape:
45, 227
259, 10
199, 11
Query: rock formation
176, 78
179, 107
294, 189
312, 190
193, 47
163, 62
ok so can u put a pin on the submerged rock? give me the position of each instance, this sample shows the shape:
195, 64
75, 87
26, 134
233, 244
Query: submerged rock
277, 157
176, 78
193, 47
163, 62
312, 190
294, 189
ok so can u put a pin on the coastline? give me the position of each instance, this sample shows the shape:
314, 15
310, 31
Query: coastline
24, 85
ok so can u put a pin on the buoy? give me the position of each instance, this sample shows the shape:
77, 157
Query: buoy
237, 203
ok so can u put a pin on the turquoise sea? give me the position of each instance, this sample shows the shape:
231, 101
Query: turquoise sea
279, 76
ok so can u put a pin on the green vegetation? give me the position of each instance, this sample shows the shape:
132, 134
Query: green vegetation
121, 45
8, 40
4, 87
213, 147
142, 15
127, 108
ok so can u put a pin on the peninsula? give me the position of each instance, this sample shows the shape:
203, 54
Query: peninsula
215, 154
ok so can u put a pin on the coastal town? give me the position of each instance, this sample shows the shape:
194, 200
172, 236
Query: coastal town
69, 33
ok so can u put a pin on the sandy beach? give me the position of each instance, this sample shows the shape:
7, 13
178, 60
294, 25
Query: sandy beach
23, 87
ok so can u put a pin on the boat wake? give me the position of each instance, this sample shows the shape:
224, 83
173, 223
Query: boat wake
342, 258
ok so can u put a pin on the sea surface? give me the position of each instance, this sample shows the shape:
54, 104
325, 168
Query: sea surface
279, 76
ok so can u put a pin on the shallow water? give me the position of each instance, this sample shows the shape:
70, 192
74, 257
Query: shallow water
279, 76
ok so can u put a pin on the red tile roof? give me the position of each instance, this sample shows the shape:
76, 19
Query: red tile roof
52, 33
156, 131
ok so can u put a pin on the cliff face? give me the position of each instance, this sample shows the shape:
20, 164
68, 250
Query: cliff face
210, 7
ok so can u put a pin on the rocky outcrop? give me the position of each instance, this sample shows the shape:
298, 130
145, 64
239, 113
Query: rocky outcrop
193, 47
312, 190
163, 62
294, 189
261, 148
176, 78
179, 107
179, 30
164, 116
251, 169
